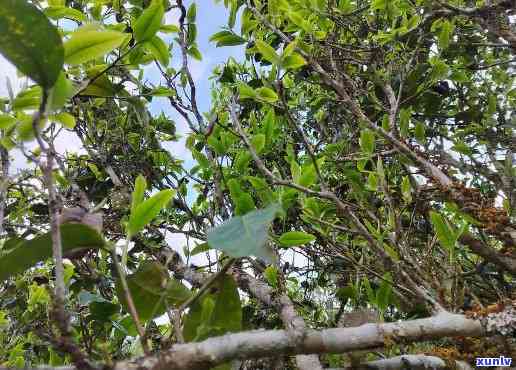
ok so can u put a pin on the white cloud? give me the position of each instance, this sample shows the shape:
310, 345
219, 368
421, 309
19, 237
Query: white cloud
7, 70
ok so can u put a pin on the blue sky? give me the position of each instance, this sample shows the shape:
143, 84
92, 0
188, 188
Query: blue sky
211, 18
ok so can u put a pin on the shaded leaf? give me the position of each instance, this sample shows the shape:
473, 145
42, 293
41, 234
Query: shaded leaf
200, 248
227, 313
29, 252
152, 290
30, 42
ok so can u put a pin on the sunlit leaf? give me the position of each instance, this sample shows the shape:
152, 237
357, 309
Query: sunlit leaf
267, 52
157, 47
443, 231
147, 210
367, 141
84, 45
295, 238
149, 22
140, 185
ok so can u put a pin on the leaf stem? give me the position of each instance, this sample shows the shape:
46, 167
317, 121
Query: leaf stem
130, 302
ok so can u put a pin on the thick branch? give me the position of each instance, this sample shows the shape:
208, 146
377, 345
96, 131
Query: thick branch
413, 362
262, 343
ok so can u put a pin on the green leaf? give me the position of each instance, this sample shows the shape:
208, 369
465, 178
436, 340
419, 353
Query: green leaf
444, 233
30, 42
27, 99
371, 297
200, 248
243, 200
6, 121
140, 185
245, 236
271, 275
169, 28
258, 142
235, 5
367, 141
198, 313
194, 52
25, 128
216, 144
85, 45
102, 86
246, 92
267, 52
405, 115
191, 13
269, 124
214, 314
294, 238
307, 176
267, 95
159, 50
227, 313
242, 161
406, 189
446, 29
146, 211
383, 294
419, 132
62, 91
293, 61
58, 12
372, 181
29, 252
149, 22
152, 291
200, 158
191, 34
66, 119
295, 170
162, 92
299, 20
439, 69
227, 38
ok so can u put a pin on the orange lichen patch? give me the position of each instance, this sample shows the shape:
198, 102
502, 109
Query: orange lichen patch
448, 353
478, 312
471, 348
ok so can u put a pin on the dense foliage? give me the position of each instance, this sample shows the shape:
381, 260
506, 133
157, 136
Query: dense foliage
357, 167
